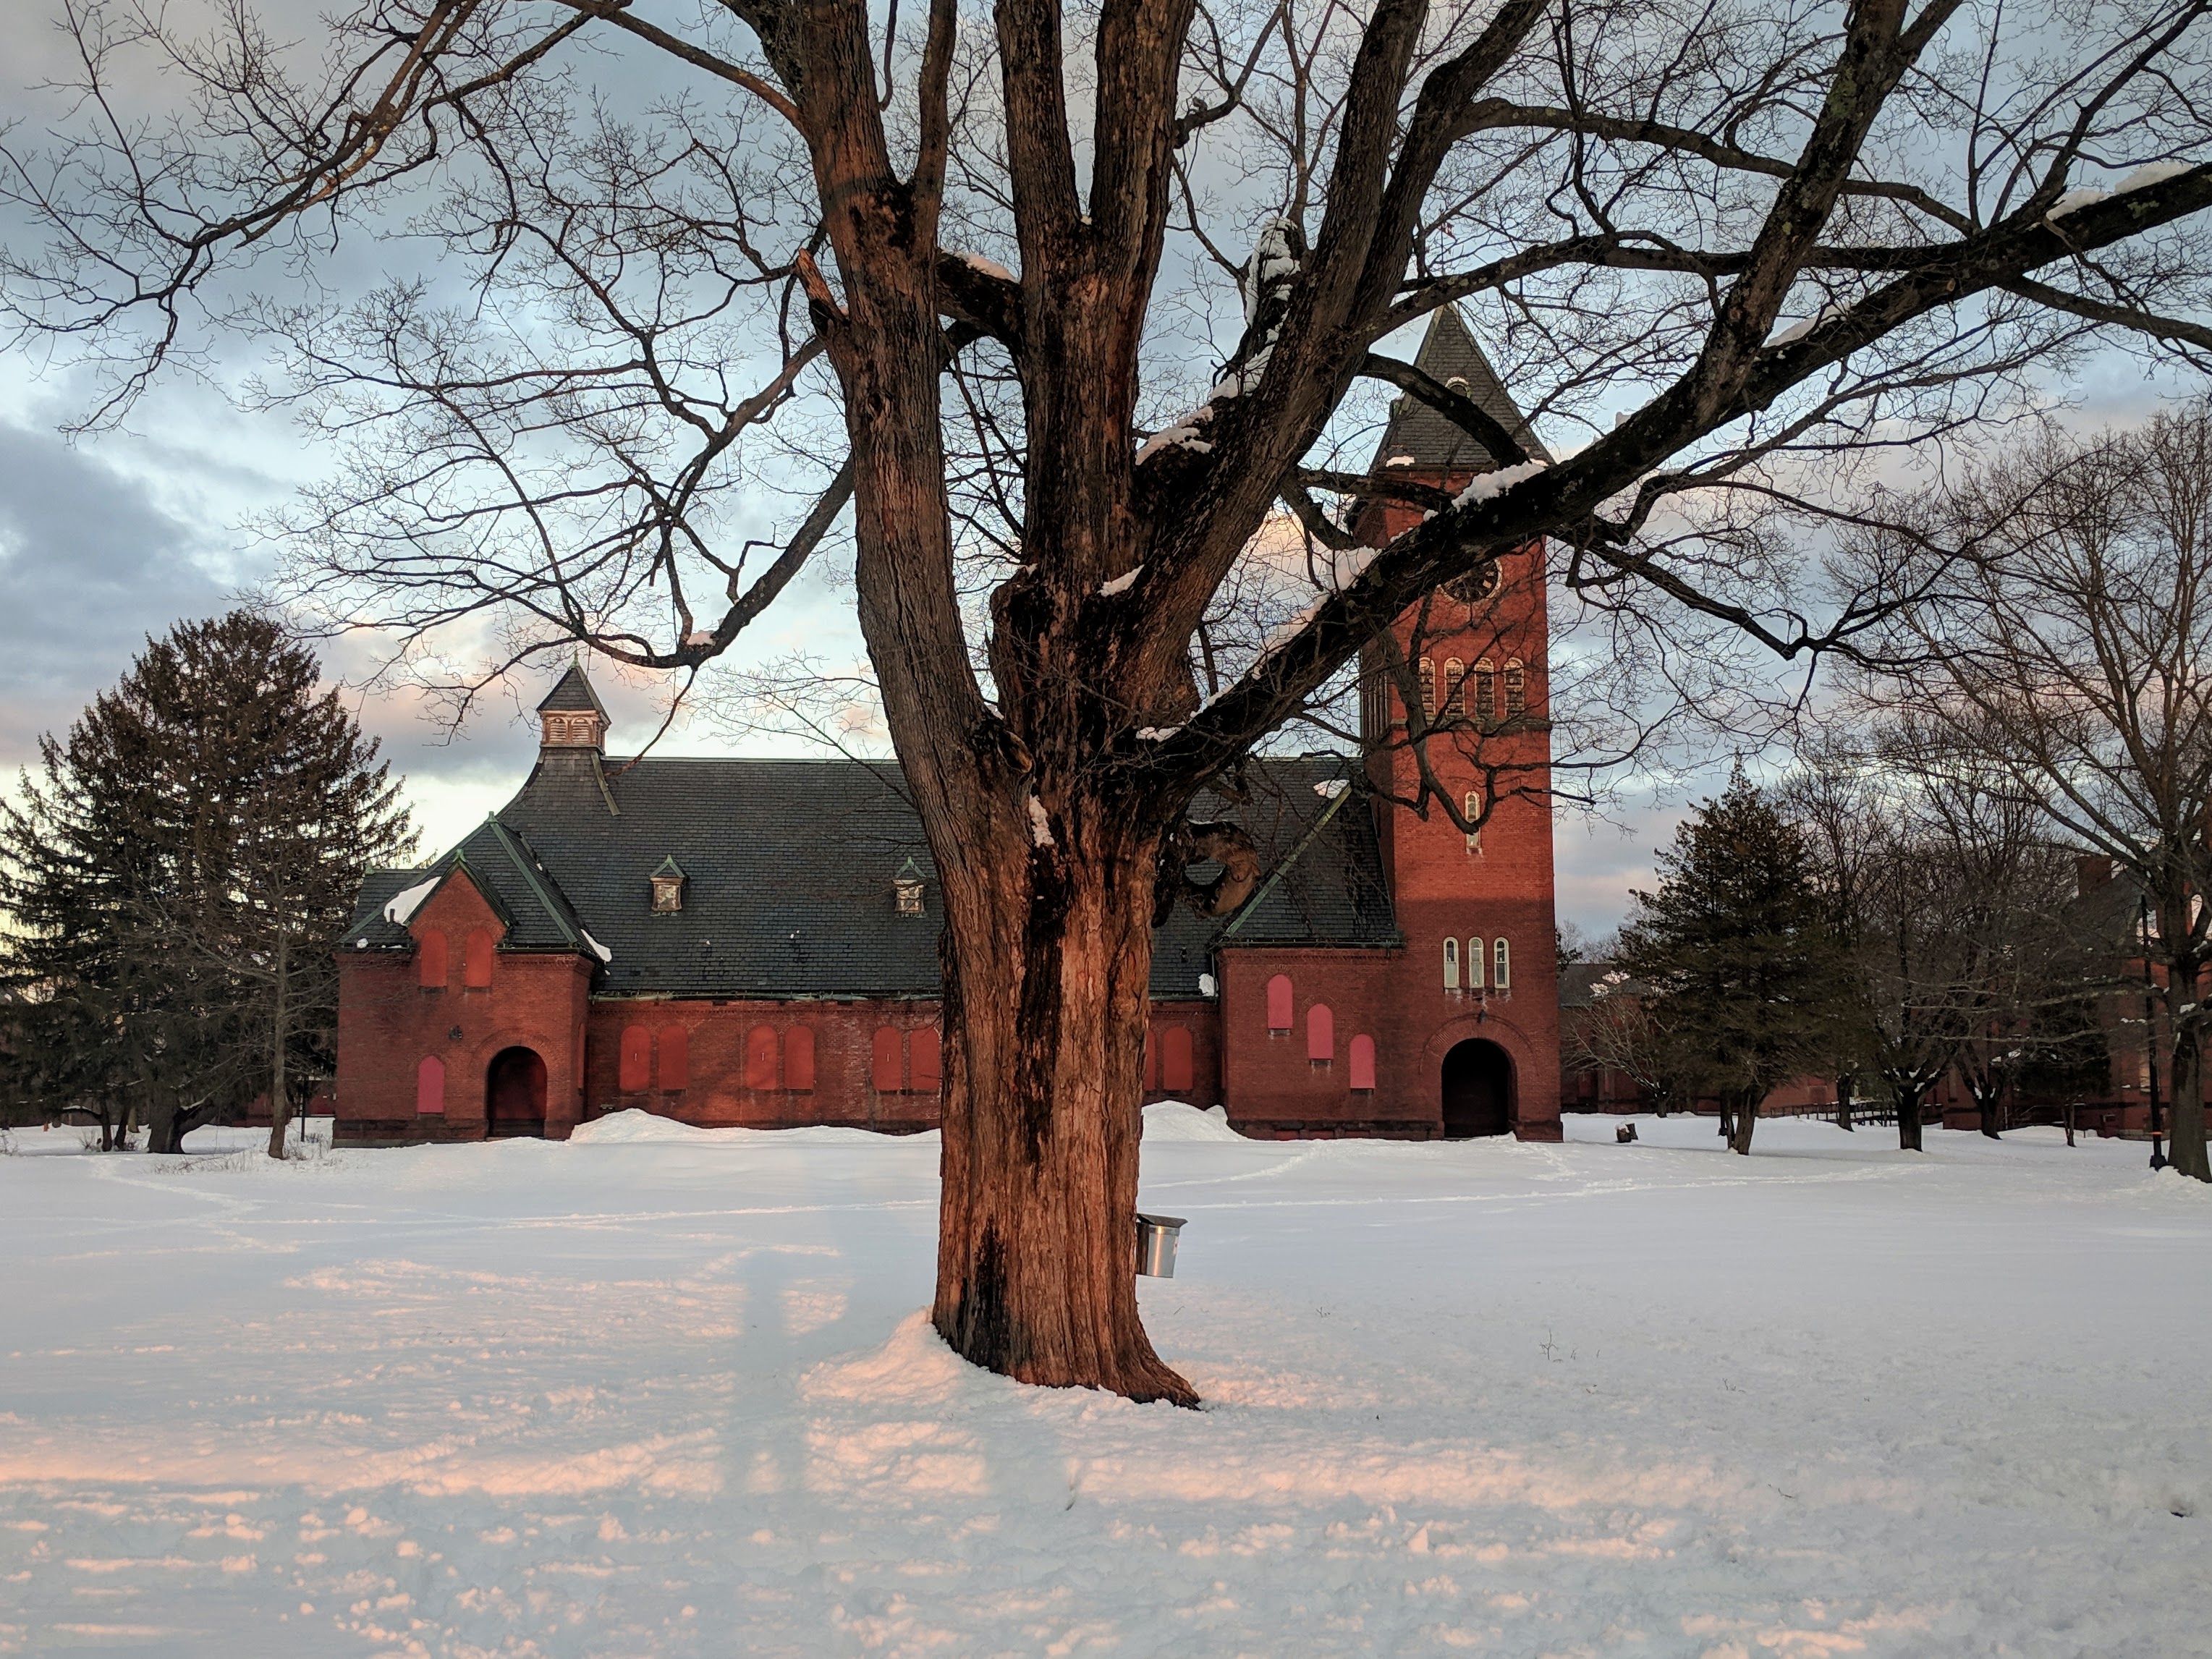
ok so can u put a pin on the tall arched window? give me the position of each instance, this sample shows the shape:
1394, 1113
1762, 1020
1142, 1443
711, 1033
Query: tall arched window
577, 1055
430, 959
1428, 671
1279, 1003
1517, 690
476, 959
430, 1084
1501, 966
1455, 672
1174, 1059
675, 1057
760, 1058
1474, 964
1362, 1059
1473, 810
1485, 692
929, 1059
798, 1058
1151, 1061
635, 1071
1320, 1033
1451, 964
887, 1062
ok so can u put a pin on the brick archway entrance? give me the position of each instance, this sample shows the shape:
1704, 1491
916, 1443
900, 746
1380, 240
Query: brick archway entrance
1477, 1089
514, 1094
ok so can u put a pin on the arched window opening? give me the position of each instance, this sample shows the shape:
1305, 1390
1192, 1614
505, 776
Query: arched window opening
760, 1057
635, 1073
1451, 964
1455, 672
675, 1057
1485, 692
1517, 690
1363, 1061
1321, 1035
798, 1058
1174, 1059
430, 959
1474, 813
928, 1060
1428, 671
1151, 1061
476, 960
576, 1056
1474, 964
1278, 1004
887, 1067
1501, 971
430, 1084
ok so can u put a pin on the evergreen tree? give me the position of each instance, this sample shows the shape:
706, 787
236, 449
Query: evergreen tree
175, 876
1745, 976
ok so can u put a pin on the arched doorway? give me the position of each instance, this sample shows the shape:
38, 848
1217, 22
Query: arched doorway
1477, 1089
514, 1094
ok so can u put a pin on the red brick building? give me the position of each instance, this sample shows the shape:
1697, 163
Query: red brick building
755, 942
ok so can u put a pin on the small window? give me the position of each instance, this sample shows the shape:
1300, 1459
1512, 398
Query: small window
430, 1085
1321, 1035
1174, 1059
1455, 672
1428, 671
1474, 964
928, 1055
476, 960
1474, 812
760, 1057
798, 1058
430, 959
1363, 1061
1501, 974
675, 1057
887, 1067
1451, 964
1485, 692
1279, 1003
635, 1072
1517, 690
667, 896
906, 890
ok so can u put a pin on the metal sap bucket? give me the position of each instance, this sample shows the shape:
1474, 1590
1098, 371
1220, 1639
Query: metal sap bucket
1156, 1244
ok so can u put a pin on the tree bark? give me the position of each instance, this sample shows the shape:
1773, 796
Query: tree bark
280, 1101
1045, 1005
1744, 1120
2184, 1115
1908, 1123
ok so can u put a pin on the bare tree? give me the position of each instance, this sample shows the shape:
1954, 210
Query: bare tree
978, 270
2072, 655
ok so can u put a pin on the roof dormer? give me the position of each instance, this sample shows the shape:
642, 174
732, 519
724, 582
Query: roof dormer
667, 888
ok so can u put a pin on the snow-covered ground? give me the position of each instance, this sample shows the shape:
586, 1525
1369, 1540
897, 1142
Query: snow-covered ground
668, 1393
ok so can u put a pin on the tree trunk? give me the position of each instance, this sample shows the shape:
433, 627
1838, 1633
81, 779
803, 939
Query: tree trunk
2069, 1123
1744, 1114
280, 1100
2184, 1115
1908, 1122
1989, 1111
164, 1131
1048, 962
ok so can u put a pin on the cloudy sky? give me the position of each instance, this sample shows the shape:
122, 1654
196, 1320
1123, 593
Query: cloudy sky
107, 539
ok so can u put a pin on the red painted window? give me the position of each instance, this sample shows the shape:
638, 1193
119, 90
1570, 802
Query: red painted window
430, 958
927, 1060
675, 1057
798, 1057
636, 1058
430, 1084
887, 1069
1175, 1058
1279, 1003
476, 959
578, 1071
1321, 1033
1151, 1061
760, 1058
1363, 1061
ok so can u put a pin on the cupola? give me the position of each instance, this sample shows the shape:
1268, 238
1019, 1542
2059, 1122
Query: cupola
667, 888
572, 716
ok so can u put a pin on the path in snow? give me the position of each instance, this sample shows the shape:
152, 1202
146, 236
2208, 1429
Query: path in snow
670, 1396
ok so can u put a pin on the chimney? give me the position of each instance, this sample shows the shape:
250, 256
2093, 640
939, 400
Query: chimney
2091, 872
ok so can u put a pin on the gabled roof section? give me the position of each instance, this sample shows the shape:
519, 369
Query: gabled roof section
573, 694
503, 868
1429, 441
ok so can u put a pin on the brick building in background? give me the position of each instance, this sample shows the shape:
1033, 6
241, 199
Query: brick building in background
755, 942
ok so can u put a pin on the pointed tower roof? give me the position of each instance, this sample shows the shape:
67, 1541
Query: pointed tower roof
573, 693
1420, 438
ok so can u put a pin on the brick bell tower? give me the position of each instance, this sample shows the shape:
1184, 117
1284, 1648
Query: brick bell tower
1480, 972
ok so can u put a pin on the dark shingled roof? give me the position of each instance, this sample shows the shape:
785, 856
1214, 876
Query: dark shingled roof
1435, 443
573, 693
790, 869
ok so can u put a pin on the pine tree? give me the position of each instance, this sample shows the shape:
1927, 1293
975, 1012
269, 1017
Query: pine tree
175, 876
1746, 979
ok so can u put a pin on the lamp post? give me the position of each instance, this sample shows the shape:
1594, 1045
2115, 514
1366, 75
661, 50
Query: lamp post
2150, 1038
